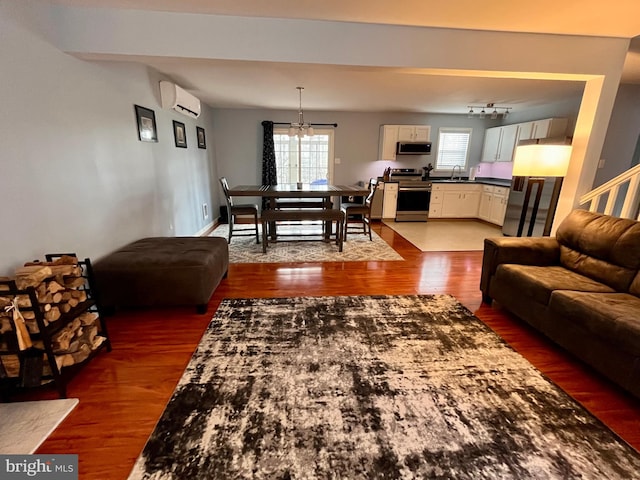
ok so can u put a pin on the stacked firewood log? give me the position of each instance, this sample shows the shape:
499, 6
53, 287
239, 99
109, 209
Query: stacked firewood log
59, 287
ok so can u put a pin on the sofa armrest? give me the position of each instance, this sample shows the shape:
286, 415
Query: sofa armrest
519, 250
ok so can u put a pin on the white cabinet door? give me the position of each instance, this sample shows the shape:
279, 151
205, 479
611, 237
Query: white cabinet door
549, 128
460, 201
507, 143
422, 133
414, 133
492, 138
390, 201
499, 205
525, 131
388, 141
470, 202
484, 210
451, 204
406, 133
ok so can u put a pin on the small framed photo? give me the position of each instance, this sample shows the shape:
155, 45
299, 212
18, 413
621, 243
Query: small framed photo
179, 133
202, 141
146, 119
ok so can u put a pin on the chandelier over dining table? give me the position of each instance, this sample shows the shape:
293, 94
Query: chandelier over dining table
300, 128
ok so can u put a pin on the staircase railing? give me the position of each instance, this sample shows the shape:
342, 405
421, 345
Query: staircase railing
621, 195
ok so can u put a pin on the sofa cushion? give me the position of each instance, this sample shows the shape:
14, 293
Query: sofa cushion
611, 316
601, 247
634, 289
538, 282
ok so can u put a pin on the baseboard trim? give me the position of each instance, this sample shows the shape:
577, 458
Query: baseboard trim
207, 229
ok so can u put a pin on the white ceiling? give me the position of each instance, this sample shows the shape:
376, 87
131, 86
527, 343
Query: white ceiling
241, 84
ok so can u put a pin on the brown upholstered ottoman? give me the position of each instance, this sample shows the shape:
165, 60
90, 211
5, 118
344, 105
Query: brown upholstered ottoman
162, 271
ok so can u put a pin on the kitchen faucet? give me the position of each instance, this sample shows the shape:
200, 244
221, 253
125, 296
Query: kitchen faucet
459, 172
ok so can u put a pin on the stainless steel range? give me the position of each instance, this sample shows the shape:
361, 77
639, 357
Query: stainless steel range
414, 195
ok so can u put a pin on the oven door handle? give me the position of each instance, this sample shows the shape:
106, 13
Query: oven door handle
411, 189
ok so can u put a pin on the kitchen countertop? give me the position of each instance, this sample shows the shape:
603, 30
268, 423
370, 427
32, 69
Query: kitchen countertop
500, 182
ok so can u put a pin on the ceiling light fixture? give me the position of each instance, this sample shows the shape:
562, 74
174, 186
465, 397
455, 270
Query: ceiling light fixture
299, 128
497, 111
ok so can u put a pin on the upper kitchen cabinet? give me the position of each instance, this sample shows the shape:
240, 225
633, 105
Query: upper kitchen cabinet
545, 128
499, 143
390, 135
414, 133
388, 141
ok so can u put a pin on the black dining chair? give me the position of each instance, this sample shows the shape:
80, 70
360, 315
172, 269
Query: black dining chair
359, 212
235, 210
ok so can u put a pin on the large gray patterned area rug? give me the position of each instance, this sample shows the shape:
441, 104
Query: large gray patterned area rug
358, 247
380, 387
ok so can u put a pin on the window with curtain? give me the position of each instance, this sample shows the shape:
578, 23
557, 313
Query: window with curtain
453, 148
306, 159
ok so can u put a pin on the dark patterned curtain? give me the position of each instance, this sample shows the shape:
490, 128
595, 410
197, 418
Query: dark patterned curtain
269, 174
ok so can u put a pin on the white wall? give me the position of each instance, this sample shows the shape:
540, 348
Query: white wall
74, 177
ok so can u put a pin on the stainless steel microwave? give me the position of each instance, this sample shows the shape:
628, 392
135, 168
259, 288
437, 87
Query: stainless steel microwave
413, 148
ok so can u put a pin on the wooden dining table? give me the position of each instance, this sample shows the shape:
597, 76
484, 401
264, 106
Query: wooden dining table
294, 190
300, 191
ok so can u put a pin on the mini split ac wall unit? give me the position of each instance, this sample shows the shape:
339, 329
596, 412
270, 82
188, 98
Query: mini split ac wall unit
179, 99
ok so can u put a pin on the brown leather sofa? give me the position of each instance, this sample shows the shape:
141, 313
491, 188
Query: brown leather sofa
581, 289
162, 271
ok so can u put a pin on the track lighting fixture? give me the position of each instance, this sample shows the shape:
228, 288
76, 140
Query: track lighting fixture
497, 111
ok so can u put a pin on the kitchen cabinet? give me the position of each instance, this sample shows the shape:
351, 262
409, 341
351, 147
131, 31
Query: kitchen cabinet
388, 141
500, 143
457, 200
545, 128
499, 205
414, 133
493, 204
484, 210
390, 200
390, 135
435, 204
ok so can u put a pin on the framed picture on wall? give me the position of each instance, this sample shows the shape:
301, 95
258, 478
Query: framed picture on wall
179, 133
146, 120
202, 142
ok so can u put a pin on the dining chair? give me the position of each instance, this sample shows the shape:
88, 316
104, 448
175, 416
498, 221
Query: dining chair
360, 212
235, 210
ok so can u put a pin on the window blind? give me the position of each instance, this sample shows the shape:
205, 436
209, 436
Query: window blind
453, 147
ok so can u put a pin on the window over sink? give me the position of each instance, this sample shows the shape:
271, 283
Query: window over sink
453, 148
316, 152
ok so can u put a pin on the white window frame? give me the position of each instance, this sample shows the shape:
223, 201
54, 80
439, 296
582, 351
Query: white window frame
449, 167
330, 152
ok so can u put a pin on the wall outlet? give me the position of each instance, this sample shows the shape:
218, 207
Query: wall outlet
601, 163
205, 211
337, 161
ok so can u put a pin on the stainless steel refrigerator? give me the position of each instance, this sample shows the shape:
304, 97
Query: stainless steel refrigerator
548, 201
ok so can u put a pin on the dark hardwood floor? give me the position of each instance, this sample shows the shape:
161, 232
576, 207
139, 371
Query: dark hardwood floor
122, 393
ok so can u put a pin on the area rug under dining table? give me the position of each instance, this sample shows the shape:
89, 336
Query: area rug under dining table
357, 248
370, 387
